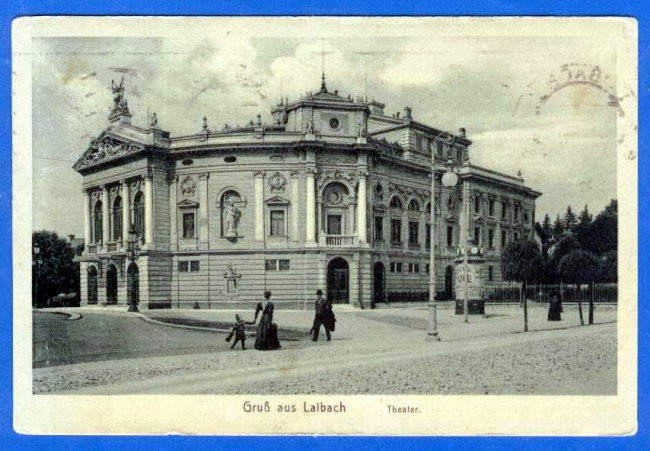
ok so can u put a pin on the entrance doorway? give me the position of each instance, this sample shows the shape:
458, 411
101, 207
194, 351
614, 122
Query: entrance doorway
449, 282
133, 284
111, 284
92, 285
379, 282
338, 281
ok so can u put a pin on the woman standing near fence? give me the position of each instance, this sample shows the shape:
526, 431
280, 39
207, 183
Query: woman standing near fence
555, 308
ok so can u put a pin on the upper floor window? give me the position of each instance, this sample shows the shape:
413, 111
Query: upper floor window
413, 233
277, 222
477, 203
504, 211
98, 218
440, 148
395, 202
379, 228
396, 230
491, 207
450, 236
491, 238
188, 225
138, 213
414, 206
117, 218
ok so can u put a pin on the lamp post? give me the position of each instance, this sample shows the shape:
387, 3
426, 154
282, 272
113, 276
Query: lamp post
37, 251
132, 254
449, 179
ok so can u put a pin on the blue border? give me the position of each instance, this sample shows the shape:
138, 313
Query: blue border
16, 8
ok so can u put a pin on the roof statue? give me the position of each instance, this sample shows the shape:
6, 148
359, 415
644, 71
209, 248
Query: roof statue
120, 105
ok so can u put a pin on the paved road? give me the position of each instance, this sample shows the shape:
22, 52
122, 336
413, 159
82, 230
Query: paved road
111, 336
371, 352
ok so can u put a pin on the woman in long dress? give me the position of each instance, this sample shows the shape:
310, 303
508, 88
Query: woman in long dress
266, 338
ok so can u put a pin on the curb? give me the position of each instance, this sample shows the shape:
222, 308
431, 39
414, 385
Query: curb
187, 327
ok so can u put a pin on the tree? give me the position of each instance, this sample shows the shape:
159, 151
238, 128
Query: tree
54, 269
546, 227
608, 271
585, 218
579, 267
570, 219
522, 261
558, 228
564, 246
603, 231
583, 228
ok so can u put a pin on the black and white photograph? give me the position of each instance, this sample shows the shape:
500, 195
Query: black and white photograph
325, 225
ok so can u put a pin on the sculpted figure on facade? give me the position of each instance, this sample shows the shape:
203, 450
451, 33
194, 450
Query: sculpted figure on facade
232, 213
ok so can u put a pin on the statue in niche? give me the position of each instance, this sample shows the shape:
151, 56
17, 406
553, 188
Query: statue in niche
232, 213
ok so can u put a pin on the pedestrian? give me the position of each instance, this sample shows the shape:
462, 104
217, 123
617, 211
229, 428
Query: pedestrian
266, 338
239, 332
323, 316
259, 308
555, 308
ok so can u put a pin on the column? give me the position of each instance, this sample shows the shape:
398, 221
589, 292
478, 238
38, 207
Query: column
126, 213
310, 194
148, 209
466, 233
87, 215
173, 213
259, 205
362, 208
105, 217
203, 211
295, 202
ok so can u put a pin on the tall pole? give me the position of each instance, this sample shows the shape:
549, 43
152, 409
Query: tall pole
467, 249
432, 329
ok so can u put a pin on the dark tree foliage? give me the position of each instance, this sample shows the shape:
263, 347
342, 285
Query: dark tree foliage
579, 266
608, 271
570, 219
547, 228
564, 246
558, 228
522, 261
602, 235
54, 269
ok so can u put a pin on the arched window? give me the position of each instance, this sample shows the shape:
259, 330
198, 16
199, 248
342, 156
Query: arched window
117, 218
138, 213
395, 202
414, 206
98, 221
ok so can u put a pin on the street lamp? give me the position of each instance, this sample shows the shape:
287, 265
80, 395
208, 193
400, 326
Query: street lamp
449, 179
132, 251
37, 251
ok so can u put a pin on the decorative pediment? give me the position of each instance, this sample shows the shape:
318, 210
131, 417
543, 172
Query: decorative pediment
105, 148
187, 203
277, 201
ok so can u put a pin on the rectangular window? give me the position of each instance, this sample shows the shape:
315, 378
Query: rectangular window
491, 238
490, 273
450, 236
183, 266
416, 267
516, 236
526, 217
398, 267
333, 224
284, 265
188, 225
392, 266
419, 142
277, 223
413, 233
379, 228
516, 213
477, 235
271, 265
396, 230
427, 239
504, 211
194, 266
426, 268
440, 148
410, 267
491, 207
504, 239
477, 204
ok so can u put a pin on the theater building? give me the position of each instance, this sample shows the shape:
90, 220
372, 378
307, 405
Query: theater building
330, 193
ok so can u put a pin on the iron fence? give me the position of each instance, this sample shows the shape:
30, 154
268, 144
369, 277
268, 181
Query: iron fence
541, 293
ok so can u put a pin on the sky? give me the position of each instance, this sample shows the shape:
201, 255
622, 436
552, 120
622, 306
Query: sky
450, 76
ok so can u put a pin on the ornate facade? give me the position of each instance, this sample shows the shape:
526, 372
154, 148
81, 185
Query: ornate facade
333, 194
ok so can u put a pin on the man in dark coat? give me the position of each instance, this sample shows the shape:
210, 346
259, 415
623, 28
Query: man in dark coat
239, 332
323, 316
